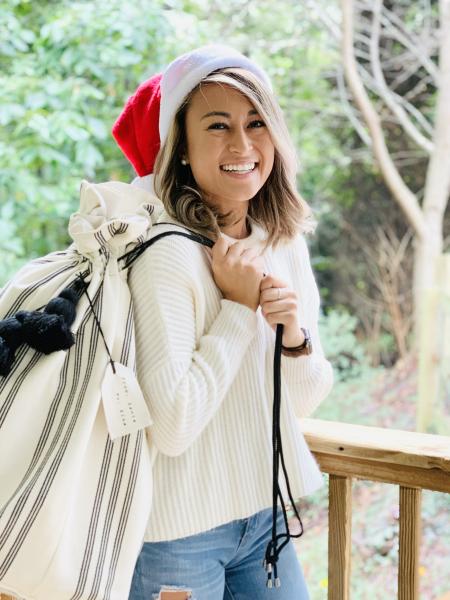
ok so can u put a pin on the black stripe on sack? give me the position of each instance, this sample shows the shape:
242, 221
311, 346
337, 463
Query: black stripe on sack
21, 354
101, 238
47, 482
20, 378
13, 518
26, 493
19, 539
112, 504
117, 228
125, 359
124, 515
25, 479
49, 421
28, 291
44, 434
93, 524
98, 238
128, 335
88, 551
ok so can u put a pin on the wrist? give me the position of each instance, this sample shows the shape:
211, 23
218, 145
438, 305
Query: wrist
292, 341
302, 349
247, 304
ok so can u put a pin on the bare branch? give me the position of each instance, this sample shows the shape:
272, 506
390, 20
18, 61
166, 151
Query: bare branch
388, 18
402, 194
383, 89
350, 112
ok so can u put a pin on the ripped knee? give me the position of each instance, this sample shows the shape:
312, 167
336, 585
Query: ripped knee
172, 592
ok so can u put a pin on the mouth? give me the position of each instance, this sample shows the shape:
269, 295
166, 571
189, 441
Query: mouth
239, 174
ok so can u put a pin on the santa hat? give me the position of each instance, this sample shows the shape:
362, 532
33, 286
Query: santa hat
143, 125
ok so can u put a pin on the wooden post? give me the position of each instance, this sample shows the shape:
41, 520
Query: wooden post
409, 543
339, 537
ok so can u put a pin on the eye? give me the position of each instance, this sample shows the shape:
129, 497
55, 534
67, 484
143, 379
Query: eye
262, 123
213, 126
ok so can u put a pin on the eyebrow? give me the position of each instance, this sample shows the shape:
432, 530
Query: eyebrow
219, 113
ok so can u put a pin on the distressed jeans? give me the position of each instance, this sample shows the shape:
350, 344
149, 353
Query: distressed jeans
223, 563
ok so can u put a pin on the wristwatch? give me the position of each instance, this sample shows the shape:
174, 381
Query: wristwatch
302, 350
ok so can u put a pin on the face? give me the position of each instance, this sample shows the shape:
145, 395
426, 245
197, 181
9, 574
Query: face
236, 138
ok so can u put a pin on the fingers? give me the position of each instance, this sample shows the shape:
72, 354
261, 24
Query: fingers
276, 306
224, 248
270, 281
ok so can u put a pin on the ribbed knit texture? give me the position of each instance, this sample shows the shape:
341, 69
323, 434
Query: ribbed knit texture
205, 365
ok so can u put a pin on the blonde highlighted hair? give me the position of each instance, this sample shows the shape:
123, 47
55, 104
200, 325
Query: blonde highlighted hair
277, 206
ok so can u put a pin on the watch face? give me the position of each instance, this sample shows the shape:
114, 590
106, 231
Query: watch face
308, 344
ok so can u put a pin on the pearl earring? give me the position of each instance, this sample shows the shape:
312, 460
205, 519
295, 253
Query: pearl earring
184, 161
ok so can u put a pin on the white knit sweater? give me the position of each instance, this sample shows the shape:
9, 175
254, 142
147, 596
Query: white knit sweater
205, 365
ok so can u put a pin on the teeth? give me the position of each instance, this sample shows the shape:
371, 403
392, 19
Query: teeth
248, 167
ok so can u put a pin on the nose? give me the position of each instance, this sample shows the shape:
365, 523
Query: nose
240, 140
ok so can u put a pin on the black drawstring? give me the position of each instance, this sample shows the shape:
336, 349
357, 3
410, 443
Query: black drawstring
97, 322
272, 550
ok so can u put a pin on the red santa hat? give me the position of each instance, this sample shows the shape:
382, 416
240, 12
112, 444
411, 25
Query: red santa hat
143, 125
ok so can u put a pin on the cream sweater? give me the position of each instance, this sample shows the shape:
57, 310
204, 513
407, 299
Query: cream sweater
205, 365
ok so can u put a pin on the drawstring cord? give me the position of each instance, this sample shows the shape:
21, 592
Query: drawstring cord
273, 550
84, 289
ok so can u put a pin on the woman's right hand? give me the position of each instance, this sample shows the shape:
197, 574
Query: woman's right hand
237, 272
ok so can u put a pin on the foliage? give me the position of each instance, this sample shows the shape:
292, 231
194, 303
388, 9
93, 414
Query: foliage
341, 346
66, 69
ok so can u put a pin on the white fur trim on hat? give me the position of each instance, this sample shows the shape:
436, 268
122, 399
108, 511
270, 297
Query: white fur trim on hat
187, 70
146, 183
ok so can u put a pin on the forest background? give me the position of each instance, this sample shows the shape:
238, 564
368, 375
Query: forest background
66, 69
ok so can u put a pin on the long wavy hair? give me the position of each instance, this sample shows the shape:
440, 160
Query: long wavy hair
277, 206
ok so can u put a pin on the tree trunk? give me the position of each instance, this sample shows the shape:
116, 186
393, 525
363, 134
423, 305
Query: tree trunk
426, 221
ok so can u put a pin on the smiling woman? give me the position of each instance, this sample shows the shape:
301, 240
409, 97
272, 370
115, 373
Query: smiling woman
223, 166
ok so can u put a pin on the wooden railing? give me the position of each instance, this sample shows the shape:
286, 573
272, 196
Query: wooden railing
414, 461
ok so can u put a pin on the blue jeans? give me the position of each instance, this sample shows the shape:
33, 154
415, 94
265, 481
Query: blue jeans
223, 563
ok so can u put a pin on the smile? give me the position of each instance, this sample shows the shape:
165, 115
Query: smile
240, 173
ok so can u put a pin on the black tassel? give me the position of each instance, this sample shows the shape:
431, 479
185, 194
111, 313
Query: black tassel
64, 305
46, 331
11, 336
49, 331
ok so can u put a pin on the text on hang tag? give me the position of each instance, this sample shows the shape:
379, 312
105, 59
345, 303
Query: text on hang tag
123, 402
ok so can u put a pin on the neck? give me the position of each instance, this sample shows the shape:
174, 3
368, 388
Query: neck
239, 230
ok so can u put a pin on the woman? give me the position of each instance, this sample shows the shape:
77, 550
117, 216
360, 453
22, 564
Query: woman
222, 164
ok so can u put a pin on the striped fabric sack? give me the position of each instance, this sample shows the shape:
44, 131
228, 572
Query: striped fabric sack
75, 455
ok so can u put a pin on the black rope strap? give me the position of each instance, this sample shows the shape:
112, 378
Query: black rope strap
273, 549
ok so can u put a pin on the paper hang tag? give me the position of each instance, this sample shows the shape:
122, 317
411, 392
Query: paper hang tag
123, 402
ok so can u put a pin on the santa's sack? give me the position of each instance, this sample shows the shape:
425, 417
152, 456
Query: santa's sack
75, 460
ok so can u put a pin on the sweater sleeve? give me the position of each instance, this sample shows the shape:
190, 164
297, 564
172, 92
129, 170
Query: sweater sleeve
309, 377
183, 381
